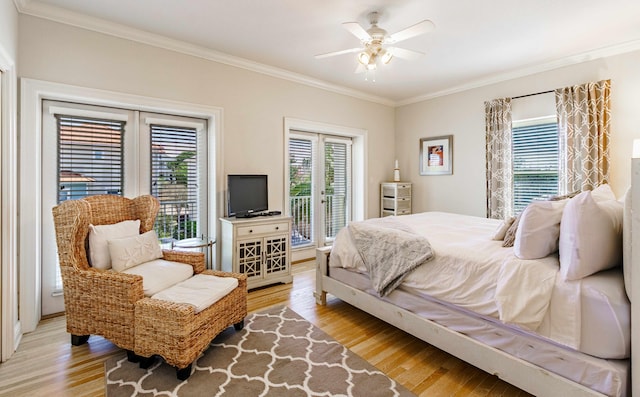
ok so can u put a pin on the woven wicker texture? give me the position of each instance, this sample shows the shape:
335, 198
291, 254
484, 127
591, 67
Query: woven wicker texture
176, 333
112, 305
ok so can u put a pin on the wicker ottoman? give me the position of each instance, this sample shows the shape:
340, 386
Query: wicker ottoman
176, 333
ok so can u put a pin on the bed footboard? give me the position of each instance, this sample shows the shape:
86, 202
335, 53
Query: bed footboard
322, 265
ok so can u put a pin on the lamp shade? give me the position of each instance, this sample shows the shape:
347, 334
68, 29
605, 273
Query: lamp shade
364, 58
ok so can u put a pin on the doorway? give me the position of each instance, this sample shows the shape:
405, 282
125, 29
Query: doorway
90, 150
319, 187
324, 174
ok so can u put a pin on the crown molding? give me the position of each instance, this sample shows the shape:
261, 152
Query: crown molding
21, 4
57, 14
523, 72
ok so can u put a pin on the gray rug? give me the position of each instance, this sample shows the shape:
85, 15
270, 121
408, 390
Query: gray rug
278, 353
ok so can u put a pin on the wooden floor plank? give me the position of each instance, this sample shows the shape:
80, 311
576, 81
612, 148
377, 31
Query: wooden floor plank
46, 364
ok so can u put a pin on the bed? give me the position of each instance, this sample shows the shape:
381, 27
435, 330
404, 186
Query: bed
532, 322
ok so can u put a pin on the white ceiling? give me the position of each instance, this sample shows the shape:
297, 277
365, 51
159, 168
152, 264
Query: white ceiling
474, 42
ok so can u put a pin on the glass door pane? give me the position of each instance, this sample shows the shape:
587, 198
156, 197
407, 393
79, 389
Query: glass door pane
301, 170
337, 185
319, 190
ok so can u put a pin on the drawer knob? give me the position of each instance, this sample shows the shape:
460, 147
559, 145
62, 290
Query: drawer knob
250, 230
277, 227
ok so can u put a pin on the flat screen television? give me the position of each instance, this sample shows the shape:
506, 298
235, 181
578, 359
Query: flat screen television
247, 195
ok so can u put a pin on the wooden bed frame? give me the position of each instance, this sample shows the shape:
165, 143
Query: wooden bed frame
527, 376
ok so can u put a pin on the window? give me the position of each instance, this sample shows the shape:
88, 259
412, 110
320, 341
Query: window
81, 172
337, 159
174, 180
300, 177
91, 160
535, 161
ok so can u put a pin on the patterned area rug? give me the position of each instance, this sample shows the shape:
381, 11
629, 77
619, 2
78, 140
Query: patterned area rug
278, 353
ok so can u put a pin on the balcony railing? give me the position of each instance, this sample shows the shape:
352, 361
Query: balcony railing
302, 233
176, 220
301, 211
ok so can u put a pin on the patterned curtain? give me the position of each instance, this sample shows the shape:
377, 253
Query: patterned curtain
583, 126
498, 154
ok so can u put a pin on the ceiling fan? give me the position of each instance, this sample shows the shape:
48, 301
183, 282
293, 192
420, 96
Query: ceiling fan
377, 45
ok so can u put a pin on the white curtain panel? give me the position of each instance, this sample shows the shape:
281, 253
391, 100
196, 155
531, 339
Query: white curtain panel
498, 154
584, 114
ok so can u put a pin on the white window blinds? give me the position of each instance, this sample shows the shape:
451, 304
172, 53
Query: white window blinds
337, 186
535, 163
301, 166
174, 180
90, 156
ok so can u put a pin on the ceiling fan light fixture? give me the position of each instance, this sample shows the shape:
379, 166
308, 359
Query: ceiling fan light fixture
376, 44
364, 57
386, 56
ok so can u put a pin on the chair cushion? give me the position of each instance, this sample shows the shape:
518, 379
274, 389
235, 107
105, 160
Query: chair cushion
201, 291
132, 251
502, 229
99, 235
160, 274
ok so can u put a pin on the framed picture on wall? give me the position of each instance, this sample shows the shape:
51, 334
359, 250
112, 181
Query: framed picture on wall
436, 155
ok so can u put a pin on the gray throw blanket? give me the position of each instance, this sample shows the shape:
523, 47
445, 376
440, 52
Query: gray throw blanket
389, 250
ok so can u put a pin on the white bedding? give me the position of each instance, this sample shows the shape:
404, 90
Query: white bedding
476, 273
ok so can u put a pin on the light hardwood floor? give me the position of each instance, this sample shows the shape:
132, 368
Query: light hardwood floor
46, 364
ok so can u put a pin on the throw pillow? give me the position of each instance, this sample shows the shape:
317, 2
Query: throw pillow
99, 235
510, 235
501, 231
564, 196
132, 251
539, 229
590, 235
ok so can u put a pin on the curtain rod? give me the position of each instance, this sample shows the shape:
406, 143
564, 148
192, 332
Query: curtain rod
537, 93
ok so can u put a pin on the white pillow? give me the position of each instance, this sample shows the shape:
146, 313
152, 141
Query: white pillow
501, 231
590, 236
603, 193
132, 251
99, 235
539, 229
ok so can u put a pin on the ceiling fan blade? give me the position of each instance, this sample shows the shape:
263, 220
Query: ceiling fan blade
360, 69
357, 30
419, 28
331, 54
404, 53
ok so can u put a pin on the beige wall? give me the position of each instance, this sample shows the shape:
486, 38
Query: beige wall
462, 115
254, 104
8, 28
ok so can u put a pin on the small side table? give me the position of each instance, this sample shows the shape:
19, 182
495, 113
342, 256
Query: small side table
198, 244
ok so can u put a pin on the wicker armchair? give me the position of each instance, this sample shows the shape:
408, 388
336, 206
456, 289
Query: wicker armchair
112, 304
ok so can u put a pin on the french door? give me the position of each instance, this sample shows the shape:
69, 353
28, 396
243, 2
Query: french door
319, 187
89, 150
